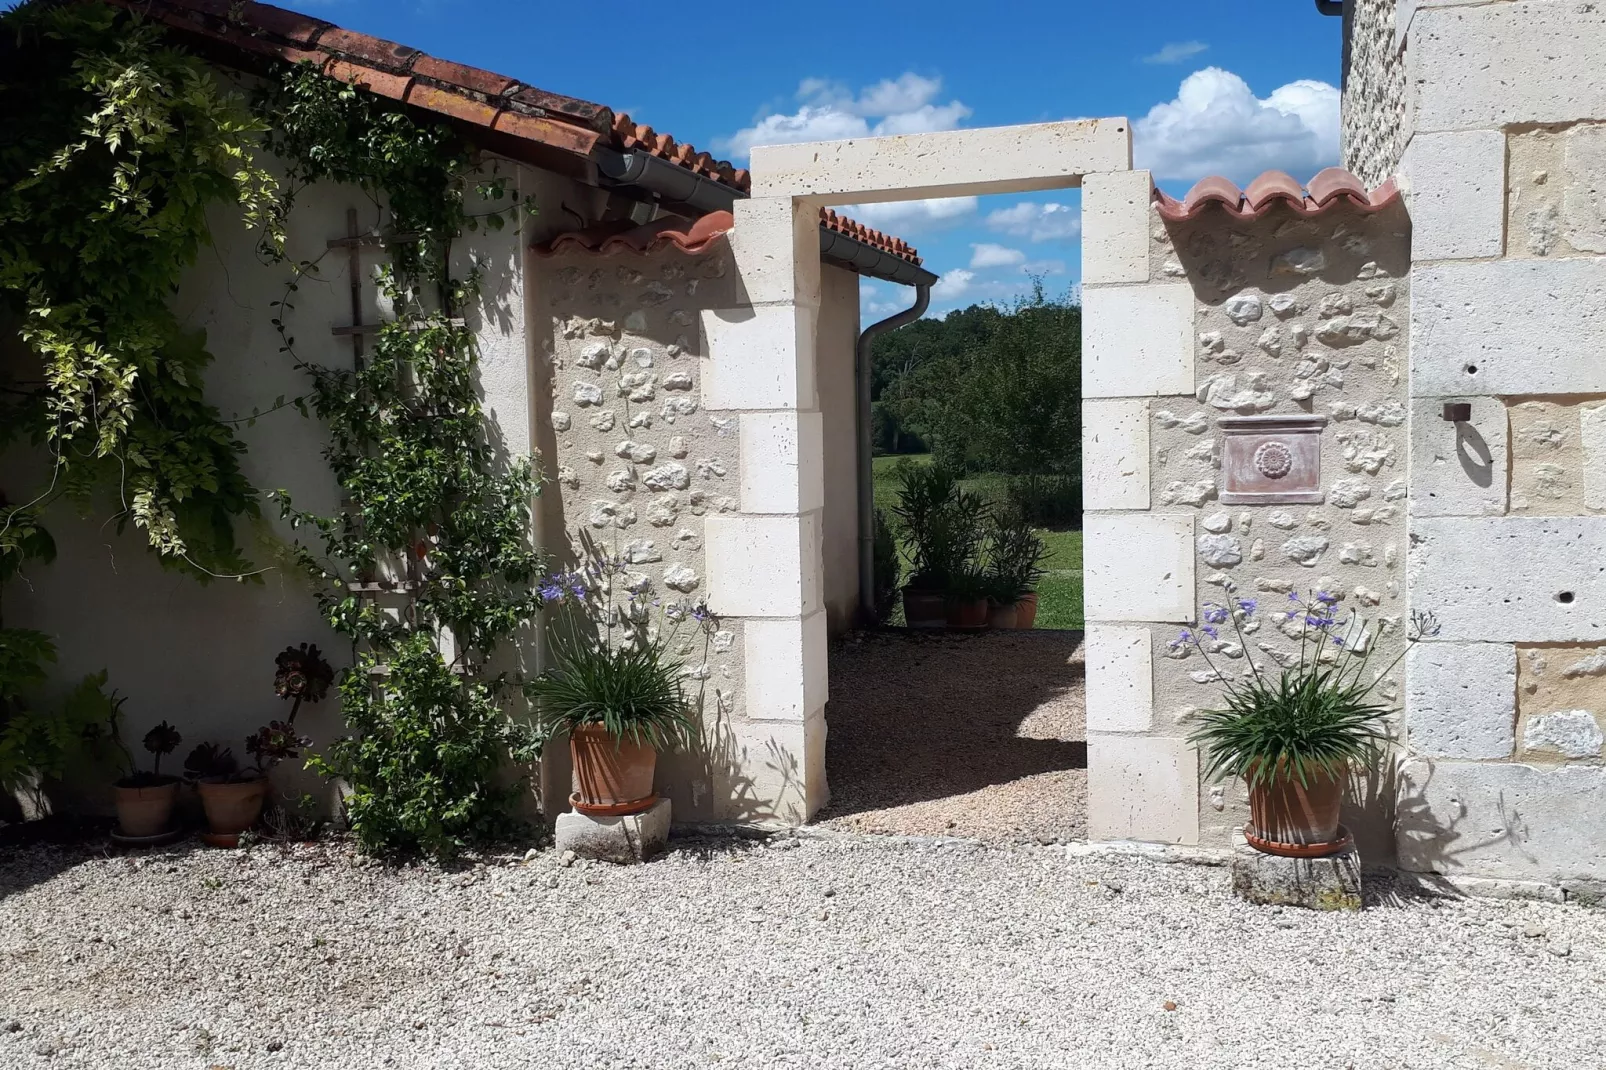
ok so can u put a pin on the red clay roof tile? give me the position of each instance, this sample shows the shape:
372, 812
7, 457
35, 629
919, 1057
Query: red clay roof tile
624, 237
467, 94
472, 79
1329, 189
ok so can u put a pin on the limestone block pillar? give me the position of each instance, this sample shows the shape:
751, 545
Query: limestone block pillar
765, 560
1508, 315
1138, 564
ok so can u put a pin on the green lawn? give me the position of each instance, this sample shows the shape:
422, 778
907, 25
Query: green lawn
1059, 595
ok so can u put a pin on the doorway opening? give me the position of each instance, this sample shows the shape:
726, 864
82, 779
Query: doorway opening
962, 711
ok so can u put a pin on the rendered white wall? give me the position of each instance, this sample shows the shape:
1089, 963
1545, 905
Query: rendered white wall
839, 334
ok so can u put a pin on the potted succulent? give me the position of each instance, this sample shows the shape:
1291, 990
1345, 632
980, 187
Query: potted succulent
144, 800
231, 796
1298, 736
301, 674
614, 689
1014, 565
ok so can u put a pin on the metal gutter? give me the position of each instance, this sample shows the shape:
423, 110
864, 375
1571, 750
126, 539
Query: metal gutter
863, 382
1330, 7
649, 178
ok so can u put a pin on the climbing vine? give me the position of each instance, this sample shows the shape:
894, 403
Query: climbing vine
433, 516
113, 145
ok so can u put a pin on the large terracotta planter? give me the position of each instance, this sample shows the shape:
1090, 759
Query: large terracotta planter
924, 609
611, 776
968, 614
145, 811
1003, 618
1295, 820
232, 807
1026, 611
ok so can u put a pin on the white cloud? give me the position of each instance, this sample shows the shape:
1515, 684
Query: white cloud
1217, 126
829, 111
1037, 222
1176, 52
912, 217
953, 285
989, 255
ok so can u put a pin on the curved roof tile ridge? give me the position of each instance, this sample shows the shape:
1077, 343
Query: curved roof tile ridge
1330, 188
647, 238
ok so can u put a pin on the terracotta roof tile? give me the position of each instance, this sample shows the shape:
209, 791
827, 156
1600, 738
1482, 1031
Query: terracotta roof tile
874, 238
626, 237
520, 114
485, 83
1329, 189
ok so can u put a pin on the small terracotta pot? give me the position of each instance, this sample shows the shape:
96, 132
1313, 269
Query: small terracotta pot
1026, 611
232, 807
1288, 818
1003, 618
611, 776
969, 614
924, 609
145, 811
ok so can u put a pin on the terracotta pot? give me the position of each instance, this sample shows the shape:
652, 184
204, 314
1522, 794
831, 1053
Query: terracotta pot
1291, 819
611, 776
969, 614
232, 807
1026, 611
924, 609
145, 811
1003, 618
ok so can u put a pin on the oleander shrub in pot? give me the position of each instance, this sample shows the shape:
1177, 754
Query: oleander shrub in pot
887, 569
943, 527
1015, 554
1299, 735
145, 800
613, 687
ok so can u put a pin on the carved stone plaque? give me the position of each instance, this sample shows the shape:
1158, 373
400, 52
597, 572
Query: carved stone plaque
1266, 460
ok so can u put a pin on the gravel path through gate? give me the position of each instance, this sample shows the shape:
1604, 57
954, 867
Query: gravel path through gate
960, 735
853, 953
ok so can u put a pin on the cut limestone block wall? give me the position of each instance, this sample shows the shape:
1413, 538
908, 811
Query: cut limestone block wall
1502, 172
1138, 561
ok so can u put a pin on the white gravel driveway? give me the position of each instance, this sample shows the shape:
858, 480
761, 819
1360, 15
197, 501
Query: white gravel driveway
805, 953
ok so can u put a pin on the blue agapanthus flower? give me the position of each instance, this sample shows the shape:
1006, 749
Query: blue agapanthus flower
1215, 614
1247, 605
1211, 632
1326, 599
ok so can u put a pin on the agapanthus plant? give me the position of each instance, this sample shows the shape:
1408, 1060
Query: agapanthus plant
1318, 714
612, 652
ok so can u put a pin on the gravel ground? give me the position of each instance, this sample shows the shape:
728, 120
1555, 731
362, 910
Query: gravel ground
841, 953
978, 736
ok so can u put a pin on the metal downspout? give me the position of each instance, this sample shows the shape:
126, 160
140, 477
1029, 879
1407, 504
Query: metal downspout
863, 382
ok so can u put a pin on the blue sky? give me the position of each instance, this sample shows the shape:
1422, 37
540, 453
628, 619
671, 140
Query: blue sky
1211, 88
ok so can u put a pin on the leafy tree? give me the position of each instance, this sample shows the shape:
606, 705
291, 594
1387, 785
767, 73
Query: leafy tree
987, 389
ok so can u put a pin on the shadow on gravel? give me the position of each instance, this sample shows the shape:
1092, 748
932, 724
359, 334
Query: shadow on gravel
915, 718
